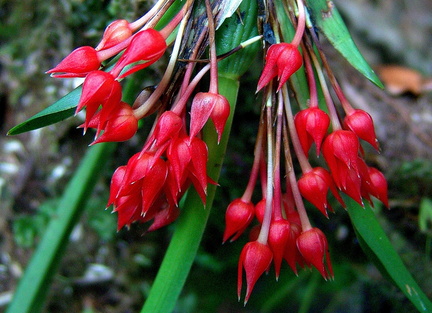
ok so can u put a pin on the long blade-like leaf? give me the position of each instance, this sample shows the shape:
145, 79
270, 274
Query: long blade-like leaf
327, 18
378, 247
58, 111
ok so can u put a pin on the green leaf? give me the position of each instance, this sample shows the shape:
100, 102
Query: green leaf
425, 215
234, 31
378, 247
58, 111
34, 285
326, 17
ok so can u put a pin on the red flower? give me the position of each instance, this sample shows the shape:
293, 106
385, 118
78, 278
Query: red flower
168, 127
361, 123
116, 184
282, 60
340, 150
378, 185
207, 105
279, 235
115, 33
260, 210
120, 126
314, 186
311, 125
341, 147
136, 187
292, 255
165, 216
179, 156
198, 167
219, 115
202, 106
100, 89
313, 246
255, 258
146, 46
78, 63
238, 216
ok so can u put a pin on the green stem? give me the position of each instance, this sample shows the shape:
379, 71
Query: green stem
190, 226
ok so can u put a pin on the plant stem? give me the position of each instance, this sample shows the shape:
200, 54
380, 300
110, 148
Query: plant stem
265, 226
247, 195
301, 157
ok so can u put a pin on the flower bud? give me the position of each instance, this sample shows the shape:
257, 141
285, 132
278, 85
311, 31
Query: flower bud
153, 183
238, 216
179, 156
115, 33
260, 210
201, 109
78, 63
311, 125
378, 187
220, 114
314, 186
282, 60
146, 46
100, 89
164, 217
255, 258
279, 235
292, 255
198, 166
120, 126
361, 123
313, 246
168, 127
116, 183
340, 150
127, 209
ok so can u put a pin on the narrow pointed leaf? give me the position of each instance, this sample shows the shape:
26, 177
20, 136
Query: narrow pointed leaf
58, 111
326, 17
235, 31
379, 249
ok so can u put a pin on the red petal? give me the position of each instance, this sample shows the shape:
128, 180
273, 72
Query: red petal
255, 258
238, 216
278, 238
78, 63
313, 246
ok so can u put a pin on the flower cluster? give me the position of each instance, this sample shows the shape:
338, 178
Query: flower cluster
174, 156
284, 231
101, 94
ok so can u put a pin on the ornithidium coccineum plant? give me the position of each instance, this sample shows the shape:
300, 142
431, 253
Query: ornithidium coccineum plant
304, 115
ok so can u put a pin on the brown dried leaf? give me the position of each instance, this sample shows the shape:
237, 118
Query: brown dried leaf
399, 79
